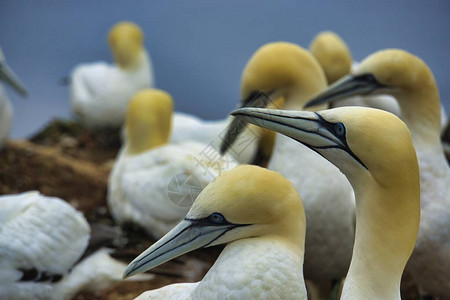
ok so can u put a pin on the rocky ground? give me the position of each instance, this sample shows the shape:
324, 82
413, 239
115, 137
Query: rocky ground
66, 161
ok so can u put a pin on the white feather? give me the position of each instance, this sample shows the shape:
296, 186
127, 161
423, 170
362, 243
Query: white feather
99, 92
138, 185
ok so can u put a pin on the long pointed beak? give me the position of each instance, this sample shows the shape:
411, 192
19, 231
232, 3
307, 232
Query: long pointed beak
348, 86
188, 235
237, 126
304, 126
8, 76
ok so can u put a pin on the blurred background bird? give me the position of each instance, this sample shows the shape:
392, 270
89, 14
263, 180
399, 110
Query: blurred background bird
99, 92
139, 185
44, 251
335, 58
7, 77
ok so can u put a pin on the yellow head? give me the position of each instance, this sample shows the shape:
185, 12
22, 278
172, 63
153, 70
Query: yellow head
380, 140
245, 202
126, 41
283, 69
148, 120
333, 55
253, 195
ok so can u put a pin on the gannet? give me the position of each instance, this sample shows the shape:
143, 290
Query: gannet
259, 215
411, 82
336, 60
99, 92
373, 148
139, 188
285, 69
42, 241
6, 111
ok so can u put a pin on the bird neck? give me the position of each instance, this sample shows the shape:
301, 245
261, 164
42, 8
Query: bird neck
421, 111
387, 223
136, 62
137, 144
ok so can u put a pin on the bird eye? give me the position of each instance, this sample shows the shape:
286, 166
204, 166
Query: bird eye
339, 128
216, 218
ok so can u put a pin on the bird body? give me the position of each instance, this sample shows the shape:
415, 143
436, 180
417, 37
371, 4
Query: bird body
154, 183
99, 92
42, 244
264, 268
259, 214
140, 185
191, 128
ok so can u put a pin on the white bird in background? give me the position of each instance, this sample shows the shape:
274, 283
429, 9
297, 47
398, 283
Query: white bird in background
260, 216
7, 76
42, 240
289, 71
154, 183
99, 92
335, 58
407, 78
374, 150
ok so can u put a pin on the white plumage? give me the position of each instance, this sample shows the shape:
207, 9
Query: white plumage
430, 260
191, 128
42, 233
41, 240
99, 92
246, 269
139, 184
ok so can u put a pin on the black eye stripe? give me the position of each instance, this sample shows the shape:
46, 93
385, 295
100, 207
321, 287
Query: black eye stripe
214, 219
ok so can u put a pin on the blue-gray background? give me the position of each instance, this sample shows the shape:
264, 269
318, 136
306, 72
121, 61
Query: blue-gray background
199, 47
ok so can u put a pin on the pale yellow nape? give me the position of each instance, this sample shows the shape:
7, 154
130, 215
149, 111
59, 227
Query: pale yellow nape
126, 42
250, 194
333, 55
148, 120
285, 69
412, 83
